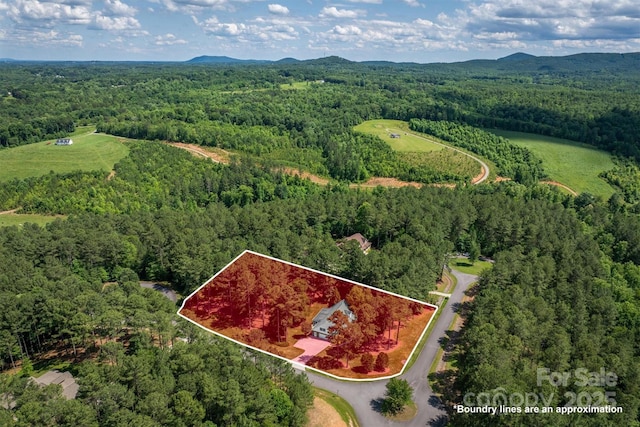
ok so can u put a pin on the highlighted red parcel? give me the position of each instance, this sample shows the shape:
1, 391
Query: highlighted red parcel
334, 325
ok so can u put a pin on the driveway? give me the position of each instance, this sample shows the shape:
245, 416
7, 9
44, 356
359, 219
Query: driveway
364, 397
311, 347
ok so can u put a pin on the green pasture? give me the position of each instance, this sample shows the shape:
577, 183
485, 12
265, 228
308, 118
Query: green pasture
408, 142
295, 85
464, 266
7, 220
90, 151
573, 164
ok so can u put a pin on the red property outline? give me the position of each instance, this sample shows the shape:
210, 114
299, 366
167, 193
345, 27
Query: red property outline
295, 364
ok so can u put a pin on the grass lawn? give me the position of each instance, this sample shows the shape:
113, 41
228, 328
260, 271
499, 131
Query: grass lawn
420, 345
464, 266
406, 143
574, 164
88, 152
343, 408
7, 220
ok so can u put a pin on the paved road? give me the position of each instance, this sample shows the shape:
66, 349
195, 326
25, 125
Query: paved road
364, 396
165, 291
485, 167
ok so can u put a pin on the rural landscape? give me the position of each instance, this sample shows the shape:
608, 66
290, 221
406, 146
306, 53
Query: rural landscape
446, 231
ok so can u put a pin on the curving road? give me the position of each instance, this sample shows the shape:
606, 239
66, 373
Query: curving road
485, 167
364, 396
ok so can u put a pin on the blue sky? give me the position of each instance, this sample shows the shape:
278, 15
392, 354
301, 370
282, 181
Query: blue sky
400, 30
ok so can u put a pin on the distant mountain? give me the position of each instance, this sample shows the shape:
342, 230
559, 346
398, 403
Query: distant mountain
519, 56
223, 60
7, 60
517, 62
287, 61
329, 60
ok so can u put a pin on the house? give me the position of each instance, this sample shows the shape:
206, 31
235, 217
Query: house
65, 379
365, 245
64, 141
320, 324
395, 135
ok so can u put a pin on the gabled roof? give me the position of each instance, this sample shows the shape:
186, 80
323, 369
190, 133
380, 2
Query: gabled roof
321, 322
65, 379
365, 245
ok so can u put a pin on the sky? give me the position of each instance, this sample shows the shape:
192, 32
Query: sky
421, 31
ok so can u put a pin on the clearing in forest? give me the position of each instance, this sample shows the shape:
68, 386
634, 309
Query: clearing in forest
339, 327
89, 152
422, 150
571, 163
8, 219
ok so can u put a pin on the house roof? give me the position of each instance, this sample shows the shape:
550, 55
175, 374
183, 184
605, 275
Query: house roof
365, 245
65, 379
321, 322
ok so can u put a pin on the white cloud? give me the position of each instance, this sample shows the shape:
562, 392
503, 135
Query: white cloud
118, 8
334, 12
168, 40
548, 20
47, 14
118, 23
259, 30
189, 6
51, 38
278, 9
366, 1
347, 30
412, 3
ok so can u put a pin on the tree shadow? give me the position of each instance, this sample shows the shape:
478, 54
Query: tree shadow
440, 421
377, 405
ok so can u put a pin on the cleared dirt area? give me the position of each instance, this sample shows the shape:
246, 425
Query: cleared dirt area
305, 175
386, 182
216, 154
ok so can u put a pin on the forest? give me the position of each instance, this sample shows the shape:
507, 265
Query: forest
564, 292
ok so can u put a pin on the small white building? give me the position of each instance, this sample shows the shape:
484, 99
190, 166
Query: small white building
64, 141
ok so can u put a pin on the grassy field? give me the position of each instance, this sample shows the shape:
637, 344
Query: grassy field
573, 164
89, 152
464, 266
406, 143
7, 220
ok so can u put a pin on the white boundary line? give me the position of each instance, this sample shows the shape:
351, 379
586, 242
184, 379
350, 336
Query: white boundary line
295, 364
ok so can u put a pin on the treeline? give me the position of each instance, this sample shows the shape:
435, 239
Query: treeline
512, 161
35, 130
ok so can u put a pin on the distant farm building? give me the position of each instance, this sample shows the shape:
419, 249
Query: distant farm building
365, 245
395, 135
320, 324
64, 141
